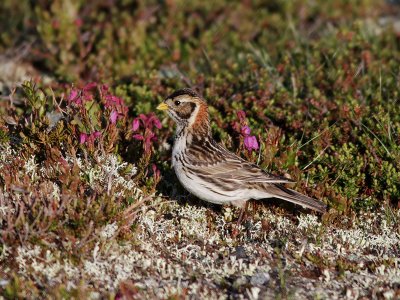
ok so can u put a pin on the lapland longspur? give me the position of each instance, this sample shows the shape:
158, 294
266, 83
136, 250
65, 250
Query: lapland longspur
211, 172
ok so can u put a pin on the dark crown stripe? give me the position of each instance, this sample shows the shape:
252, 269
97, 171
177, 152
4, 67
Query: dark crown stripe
185, 91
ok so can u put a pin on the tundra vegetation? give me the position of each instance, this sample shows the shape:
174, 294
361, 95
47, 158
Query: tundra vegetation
89, 204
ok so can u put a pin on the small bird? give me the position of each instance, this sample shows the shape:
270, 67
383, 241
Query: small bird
212, 173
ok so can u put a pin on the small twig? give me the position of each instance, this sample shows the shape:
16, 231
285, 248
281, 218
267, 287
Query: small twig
317, 136
318, 156
371, 132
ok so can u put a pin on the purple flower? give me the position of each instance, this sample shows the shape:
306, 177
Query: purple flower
89, 138
104, 88
156, 171
135, 124
138, 137
86, 91
149, 138
78, 22
250, 142
241, 115
113, 117
148, 121
96, 134
157, 123
73, 95
80, 96
82, 138
113, 101
90, 86
245, 130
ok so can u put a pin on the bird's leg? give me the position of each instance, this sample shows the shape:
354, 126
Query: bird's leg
243, 213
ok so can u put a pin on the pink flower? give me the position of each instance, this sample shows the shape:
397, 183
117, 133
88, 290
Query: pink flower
241, 115
245, 130
87, 91
250, 142
113, 101
90, 138
90, 86
104, 88
150, 120
78, 22
142, 117
156, 171
157, 122
135, 124
113, 117
96, 134
79, 96
73, 95
82, 138
138, 137
149, 138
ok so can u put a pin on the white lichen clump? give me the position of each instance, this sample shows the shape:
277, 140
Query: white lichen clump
106, 171
31, 168
170, 251
109, 231
181, 249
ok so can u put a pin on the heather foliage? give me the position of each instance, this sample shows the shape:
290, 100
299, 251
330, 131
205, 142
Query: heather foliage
89, 204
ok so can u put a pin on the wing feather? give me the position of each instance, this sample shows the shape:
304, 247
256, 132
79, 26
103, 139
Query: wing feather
224, 164
226, 171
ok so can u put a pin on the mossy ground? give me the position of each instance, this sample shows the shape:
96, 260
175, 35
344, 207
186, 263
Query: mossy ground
89, 205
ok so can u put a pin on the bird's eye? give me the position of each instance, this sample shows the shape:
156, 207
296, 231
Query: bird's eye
177, 103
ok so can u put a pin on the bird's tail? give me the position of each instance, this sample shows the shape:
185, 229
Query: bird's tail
284, 193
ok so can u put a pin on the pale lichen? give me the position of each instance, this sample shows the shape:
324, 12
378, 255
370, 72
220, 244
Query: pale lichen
185, 249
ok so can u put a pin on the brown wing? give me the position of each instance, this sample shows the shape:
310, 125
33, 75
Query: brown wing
214, 163
209, 158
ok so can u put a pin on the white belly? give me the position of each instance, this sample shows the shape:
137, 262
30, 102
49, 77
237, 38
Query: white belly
202, 189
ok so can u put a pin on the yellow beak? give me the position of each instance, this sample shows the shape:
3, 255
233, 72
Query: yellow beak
162, 106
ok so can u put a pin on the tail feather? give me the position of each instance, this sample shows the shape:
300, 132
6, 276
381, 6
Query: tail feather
284, 193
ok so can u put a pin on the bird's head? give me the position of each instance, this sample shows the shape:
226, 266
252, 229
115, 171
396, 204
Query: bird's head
187, 109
